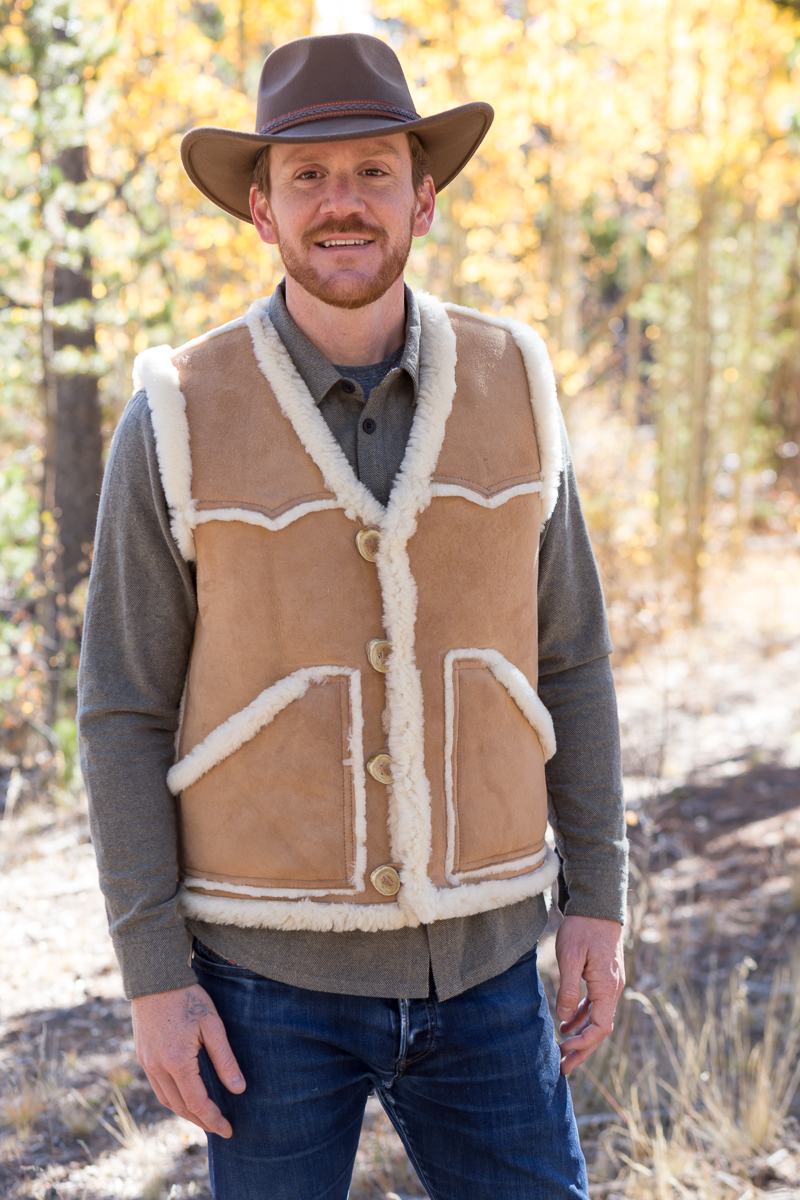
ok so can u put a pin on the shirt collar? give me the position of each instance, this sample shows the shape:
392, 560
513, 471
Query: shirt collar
317, 373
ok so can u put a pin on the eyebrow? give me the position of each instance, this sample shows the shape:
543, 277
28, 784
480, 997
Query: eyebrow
294, 159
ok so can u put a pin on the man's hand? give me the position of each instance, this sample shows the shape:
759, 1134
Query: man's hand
591, 949
169, 1028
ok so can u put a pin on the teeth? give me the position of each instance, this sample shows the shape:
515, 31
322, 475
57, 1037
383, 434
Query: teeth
347, 242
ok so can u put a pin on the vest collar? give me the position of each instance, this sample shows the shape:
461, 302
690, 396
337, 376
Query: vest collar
437, 384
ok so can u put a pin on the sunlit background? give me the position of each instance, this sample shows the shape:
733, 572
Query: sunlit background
636, 201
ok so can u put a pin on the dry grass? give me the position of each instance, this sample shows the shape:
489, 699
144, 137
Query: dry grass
701, 1093
21, 1107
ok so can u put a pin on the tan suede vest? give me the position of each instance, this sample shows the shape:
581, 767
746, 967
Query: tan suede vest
361, 745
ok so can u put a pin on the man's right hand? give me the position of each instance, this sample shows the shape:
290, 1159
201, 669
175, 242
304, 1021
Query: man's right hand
168, 1029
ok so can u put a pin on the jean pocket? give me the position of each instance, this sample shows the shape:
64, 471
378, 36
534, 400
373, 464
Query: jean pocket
208, 960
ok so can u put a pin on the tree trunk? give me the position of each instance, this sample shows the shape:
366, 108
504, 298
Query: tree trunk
701, 382
73, 462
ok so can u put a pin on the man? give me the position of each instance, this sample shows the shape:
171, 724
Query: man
327, 534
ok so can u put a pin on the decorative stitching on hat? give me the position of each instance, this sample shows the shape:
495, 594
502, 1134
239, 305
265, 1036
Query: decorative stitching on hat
353, 108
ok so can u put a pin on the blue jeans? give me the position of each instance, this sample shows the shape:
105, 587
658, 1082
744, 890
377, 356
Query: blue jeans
471, 1084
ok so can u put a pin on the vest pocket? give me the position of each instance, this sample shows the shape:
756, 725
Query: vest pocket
272, 802
498, 737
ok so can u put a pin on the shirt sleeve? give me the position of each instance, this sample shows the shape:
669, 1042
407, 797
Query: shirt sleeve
138, 631
584, 777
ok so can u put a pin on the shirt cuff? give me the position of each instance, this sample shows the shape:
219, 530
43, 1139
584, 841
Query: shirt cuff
156, 963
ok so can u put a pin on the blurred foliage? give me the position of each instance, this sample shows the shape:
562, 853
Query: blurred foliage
636, 201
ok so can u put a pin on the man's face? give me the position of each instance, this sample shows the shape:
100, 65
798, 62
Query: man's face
342, 215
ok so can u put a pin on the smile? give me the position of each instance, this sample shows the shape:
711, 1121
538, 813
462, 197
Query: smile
346, 242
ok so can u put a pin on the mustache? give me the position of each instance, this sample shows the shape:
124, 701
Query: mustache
353, 229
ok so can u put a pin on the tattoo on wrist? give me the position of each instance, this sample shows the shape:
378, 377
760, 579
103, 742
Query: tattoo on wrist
196, 1008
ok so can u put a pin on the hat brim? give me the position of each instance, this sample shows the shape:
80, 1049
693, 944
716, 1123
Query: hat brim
220, 162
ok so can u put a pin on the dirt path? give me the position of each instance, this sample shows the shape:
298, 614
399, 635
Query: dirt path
711, 727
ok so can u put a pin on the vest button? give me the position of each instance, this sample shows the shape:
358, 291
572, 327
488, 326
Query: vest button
380, 767
385, 880
378, 653
367, 542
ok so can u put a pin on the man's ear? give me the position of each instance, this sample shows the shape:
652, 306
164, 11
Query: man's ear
426, 203
262, 217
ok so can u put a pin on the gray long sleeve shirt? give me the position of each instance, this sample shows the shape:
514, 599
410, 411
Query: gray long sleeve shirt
137, 639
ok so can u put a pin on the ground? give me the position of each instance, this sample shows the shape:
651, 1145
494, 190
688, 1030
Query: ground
712, 773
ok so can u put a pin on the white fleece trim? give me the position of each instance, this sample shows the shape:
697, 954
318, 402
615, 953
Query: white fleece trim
294, 914
409, 795
466, 493
463, 901
242, 726
470, 898
246, 890
535, 713
250, 517
520, 864
544, 399
155, 371
297, 405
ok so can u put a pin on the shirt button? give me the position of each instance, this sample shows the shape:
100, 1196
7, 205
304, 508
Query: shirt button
368, 542
378, 653
368, 425
380, 767
348, 387
385, 880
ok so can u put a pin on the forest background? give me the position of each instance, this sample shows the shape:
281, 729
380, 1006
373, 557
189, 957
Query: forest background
637, 201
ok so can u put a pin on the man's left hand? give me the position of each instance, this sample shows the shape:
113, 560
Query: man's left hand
591, 949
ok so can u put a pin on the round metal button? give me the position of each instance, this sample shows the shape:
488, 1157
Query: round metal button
385, 880
380, 767
378, 652
367, 542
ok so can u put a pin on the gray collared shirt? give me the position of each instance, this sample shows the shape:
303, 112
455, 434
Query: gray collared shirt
369, 410
138, 632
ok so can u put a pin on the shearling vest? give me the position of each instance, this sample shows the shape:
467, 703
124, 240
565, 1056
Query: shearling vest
361, 743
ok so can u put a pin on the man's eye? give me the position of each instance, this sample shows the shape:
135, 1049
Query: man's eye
373, 171
308, 175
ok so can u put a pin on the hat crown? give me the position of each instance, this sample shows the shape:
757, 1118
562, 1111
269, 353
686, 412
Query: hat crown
316, 76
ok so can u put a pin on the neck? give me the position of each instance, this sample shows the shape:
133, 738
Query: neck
350, 337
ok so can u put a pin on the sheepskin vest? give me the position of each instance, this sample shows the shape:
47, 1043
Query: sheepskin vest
361, 743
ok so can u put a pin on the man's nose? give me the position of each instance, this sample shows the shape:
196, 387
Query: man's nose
341, 197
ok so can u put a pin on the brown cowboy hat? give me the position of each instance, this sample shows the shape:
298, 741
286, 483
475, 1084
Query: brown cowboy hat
325, 89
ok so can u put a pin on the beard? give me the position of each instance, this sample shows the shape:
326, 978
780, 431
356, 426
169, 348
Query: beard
358, 290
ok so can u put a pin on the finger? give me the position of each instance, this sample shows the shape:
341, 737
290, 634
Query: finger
574, 1059
603, 1007
575, 1050
580, 1016
168, 1094
219, 1051
198, 1102
160, 1094
569, 992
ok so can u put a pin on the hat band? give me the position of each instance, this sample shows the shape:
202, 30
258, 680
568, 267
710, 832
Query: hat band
350, 108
